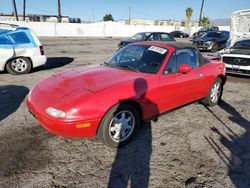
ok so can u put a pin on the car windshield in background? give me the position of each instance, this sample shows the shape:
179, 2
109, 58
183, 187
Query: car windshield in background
140, 36
212, 34
245, 44
139, 58
203, 29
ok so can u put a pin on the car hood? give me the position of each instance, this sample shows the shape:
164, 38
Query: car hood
91, 79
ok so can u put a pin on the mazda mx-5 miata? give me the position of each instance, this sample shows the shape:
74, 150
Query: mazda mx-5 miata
138, 83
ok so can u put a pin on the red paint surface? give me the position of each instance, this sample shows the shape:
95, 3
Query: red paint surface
87, 93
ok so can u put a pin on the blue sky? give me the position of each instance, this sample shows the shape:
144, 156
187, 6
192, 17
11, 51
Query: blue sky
147, 9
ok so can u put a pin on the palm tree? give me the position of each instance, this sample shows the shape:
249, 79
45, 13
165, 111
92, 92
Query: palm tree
59, 11
205, 21
189, 13
202, 4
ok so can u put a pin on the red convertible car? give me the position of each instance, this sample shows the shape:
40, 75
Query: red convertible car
138, 83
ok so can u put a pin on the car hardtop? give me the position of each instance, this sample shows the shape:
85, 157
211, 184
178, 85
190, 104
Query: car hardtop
173, 44
176, 46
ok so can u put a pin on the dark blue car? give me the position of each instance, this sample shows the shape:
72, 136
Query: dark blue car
212, 41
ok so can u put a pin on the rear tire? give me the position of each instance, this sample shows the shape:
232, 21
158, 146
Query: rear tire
215, 93
20, 65
119, 125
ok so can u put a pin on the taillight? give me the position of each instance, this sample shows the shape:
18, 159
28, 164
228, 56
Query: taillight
41, 50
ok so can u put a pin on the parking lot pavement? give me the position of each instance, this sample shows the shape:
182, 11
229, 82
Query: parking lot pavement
193, 146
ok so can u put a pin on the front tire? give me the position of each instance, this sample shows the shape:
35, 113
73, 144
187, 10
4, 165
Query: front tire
20, 65
215, 93
119, 125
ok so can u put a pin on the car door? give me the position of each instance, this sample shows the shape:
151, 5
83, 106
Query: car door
177, 89
6, 51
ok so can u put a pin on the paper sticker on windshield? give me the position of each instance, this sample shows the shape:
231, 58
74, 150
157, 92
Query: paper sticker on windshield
157, 49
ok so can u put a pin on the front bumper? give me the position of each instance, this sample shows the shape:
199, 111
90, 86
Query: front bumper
68, 128
237, 65
203, 46
240, 70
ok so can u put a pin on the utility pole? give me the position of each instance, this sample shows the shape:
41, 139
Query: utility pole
59, 11
93, 15
202, 4
24, 9
14, 9
129, 15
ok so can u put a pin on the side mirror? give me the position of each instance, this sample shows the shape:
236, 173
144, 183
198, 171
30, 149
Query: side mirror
184, 68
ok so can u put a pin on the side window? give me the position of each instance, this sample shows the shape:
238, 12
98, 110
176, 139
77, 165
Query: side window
4, 40
171, 65
19, 38
187, 56
154, 37
164, 37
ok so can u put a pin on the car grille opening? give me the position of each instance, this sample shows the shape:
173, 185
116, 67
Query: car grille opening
236, 61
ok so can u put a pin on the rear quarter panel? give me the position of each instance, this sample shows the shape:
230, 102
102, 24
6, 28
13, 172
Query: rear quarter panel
212, 71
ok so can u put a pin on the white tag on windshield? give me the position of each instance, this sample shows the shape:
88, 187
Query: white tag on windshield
158, 49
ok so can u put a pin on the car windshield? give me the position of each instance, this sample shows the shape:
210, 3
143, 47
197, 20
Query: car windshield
140, 36
203, 29
212, 34
245, 44
138, 58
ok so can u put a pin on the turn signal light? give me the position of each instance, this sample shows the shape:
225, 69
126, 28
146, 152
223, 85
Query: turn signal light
83, 125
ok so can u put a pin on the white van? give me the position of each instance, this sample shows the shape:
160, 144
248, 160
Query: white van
20, 50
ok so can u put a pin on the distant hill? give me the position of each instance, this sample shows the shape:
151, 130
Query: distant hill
221, 22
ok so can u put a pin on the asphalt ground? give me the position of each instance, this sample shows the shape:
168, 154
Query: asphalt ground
192, 146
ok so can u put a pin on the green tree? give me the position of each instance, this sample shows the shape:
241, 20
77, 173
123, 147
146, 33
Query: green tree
108, 17
205, 21
189, 13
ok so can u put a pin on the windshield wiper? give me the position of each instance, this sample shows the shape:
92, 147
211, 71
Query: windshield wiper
128, 67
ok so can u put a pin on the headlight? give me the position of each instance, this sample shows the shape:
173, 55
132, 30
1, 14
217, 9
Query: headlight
55, 112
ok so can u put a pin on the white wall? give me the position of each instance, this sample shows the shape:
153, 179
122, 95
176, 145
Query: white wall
100, 29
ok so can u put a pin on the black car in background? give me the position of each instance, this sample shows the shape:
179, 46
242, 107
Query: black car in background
204, 30
212, 41
179, 34
147, 36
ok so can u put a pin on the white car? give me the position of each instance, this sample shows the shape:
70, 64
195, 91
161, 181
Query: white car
20, 50
237, 57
